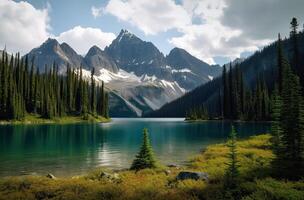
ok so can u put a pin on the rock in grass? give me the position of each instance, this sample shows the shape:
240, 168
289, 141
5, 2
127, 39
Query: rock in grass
172, 165
51, 176
184, 175
108, 176
167, 172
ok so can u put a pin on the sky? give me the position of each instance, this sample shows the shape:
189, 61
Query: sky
215, 31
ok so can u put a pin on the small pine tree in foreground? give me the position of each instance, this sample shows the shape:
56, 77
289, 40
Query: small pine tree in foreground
232, 172
145, 157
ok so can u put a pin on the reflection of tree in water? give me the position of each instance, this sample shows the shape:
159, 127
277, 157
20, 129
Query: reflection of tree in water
76, 148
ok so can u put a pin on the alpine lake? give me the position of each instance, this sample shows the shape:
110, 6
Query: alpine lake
74, 149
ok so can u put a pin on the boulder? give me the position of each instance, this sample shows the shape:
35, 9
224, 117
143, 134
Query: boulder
167, 172
184, 175
172, 165
51, 176
108, 176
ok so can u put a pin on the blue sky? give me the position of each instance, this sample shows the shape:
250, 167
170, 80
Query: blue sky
215, 31
62, 19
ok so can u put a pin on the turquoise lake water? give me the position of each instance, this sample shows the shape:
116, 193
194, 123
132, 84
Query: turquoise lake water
67, 150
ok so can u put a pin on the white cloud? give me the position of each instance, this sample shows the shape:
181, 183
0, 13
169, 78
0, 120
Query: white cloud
211, 28
211, 38
149, 16
207, 39
81, 39
22, 26
96, 12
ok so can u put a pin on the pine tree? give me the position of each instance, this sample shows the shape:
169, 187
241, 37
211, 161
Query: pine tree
231, 93
276, 130
24, 90
106, 105
232, 172
145, 157
226, 97
280, 63
93, 93
103, 101
291, 155
294, 36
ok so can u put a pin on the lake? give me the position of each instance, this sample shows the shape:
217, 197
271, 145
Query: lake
74, 149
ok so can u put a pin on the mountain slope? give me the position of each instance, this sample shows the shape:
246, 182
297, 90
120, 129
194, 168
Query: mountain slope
140, 78
143, 58
189, 71
52, 52
98, 59
262, 63
134, 55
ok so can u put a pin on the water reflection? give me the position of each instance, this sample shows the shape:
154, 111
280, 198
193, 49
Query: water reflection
67, 150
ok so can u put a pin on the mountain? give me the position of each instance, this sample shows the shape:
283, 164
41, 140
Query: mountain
100, 60
137, 56
189, 71
52, 52
143, 58
139, 77
262, 63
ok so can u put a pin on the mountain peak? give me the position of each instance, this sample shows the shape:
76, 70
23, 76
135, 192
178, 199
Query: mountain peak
125, 32
94, 50
51, 41
126, 35
178, 50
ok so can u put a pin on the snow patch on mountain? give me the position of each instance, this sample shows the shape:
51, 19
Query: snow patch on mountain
184, 70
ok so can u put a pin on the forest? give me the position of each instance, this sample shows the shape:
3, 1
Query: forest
245, 91
24, 90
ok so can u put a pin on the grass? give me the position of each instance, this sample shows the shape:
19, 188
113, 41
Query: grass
254, 155
37, 119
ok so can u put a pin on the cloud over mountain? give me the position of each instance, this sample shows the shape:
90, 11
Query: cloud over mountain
22, 26
82, 38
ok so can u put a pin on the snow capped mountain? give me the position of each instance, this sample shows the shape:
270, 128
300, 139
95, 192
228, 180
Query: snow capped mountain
135, 55
139, 77
145, 93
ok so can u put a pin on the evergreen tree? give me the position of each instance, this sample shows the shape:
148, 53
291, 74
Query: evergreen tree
276, 130
93, 93
232, 172
106, 105
103, 101
294, 36
145, 157
290, 158
226, 97
24, 90
280, 63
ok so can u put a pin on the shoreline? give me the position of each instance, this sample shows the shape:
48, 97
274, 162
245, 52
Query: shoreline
37, 120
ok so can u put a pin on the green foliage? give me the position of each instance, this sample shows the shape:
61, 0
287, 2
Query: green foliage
288, 124
23, 90
145, 157
232, 171
199, 113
